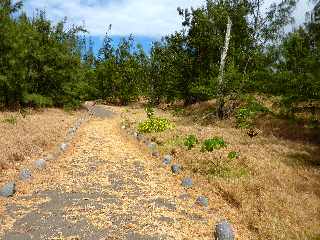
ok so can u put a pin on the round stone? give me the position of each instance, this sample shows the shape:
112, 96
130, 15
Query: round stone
224, 231
152, 146
187, 182
25, 174
202, 201
176, 168
8, 190
40, 164
63, 147
167, 159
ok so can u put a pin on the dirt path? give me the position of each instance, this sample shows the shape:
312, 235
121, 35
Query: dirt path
106, 186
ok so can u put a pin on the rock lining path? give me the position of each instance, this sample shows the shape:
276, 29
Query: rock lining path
105, 186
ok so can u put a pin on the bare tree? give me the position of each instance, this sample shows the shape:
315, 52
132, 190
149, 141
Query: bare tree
221, 84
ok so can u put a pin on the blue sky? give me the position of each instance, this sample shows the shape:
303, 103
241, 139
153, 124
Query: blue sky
147, 20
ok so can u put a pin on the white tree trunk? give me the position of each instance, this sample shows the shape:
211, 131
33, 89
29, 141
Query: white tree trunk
220, 111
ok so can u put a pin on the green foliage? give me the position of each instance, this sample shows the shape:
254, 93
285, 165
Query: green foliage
244, 118
11, 120
223, 169
191, 141
154, 124
211, 144
233, 155
245, 115
44, 64
37, 100
40, 63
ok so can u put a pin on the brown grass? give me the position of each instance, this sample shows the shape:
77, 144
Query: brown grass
24, 137
270, 192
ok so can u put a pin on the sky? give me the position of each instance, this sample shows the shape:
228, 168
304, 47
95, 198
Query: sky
147, 20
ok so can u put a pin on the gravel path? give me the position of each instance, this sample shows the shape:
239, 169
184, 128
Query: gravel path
106, 186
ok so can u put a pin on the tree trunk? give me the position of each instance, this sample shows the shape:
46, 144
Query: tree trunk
220, 103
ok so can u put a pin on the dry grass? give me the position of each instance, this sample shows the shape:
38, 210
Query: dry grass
271, 192
30, 135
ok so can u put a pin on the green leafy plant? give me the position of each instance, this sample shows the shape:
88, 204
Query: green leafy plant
245, 115
244, 118
213, 144
233, 155
191, 141
154, 124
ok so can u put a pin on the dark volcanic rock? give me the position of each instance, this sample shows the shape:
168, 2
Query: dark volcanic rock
187, 182
167, 159
176, 168
25, 174
202, 201
8, 190
224, 231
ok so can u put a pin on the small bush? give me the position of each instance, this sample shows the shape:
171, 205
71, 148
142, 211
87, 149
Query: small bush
37, 100
154, 124
191, 141
213, 143
244, 118
11, 120
245, 115
233, 155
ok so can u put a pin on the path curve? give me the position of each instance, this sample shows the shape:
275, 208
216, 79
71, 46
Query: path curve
106, 186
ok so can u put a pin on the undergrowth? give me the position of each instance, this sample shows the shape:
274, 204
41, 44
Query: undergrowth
245, 115
154, 124
191, 141
211, 144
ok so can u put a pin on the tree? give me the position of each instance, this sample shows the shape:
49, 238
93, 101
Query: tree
220, 110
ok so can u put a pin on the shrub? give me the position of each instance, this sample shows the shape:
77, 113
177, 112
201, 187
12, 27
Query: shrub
154, 124
191, 141
244, 118
213, 143
37, 100
233, 155
245, 115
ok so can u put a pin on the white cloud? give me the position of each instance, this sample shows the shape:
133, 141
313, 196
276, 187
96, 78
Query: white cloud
153, 18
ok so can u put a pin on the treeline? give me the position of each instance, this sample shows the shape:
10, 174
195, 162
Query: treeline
42, 64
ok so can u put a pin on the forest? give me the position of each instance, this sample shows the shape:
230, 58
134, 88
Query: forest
45, 64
